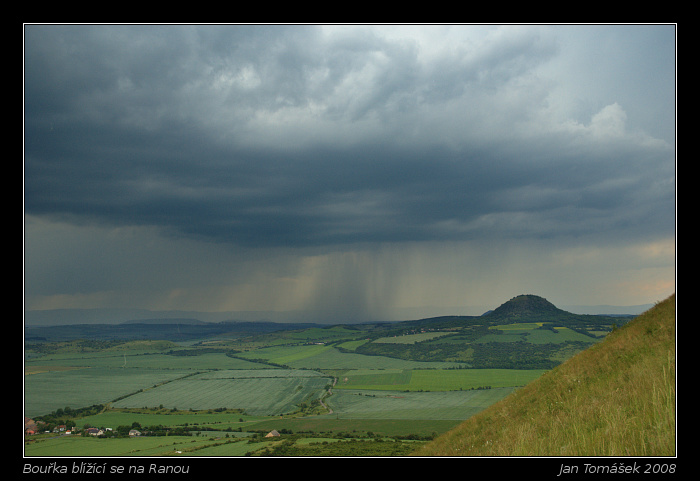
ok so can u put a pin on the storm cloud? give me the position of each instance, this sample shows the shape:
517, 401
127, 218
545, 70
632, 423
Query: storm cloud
343, 143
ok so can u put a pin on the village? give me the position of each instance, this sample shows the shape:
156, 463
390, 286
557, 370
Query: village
32, 427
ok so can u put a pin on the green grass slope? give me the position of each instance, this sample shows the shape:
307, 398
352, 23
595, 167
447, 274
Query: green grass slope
617, 398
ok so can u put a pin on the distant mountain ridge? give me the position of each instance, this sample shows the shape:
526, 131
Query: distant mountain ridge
182, 325
62, 317
160, 320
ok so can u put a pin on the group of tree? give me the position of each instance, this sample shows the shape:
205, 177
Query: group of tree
65, 416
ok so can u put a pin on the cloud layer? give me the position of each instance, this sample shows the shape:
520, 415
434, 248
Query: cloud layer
320, 139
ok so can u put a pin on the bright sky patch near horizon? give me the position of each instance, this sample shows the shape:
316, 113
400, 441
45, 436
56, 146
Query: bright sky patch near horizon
348, 170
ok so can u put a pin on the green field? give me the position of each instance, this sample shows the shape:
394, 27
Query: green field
327, 357
411, 338
138, 360
166, 417
436, 379
137, 446
445, 405
49, 391
274, 392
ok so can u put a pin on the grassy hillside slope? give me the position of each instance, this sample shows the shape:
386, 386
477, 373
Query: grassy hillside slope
617, 398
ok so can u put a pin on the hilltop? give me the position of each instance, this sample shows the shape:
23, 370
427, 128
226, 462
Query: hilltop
531, 308
616, 398
526, 306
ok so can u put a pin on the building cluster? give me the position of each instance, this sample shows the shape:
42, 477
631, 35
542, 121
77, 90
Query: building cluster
31, 427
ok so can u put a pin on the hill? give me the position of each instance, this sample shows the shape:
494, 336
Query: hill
531, 308
525, 307
616, 398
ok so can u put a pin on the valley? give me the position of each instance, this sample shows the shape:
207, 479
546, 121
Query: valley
243, 389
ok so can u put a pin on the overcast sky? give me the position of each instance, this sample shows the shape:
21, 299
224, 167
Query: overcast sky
349, 170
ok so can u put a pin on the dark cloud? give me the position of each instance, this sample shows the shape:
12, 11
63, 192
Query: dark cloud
309, 136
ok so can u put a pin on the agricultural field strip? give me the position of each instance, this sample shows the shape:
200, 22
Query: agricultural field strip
45, 392
328, 357
518, 326
256, 373
437, 379
285, 355
412, 338
156, 361
125, 417
38, 369
446, 405
266, 395
531, 333
139, 446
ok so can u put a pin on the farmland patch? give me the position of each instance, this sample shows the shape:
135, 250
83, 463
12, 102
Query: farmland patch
412, 338
436, 379
49, 391
447, 405
324, 357
92, 446
264, 395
